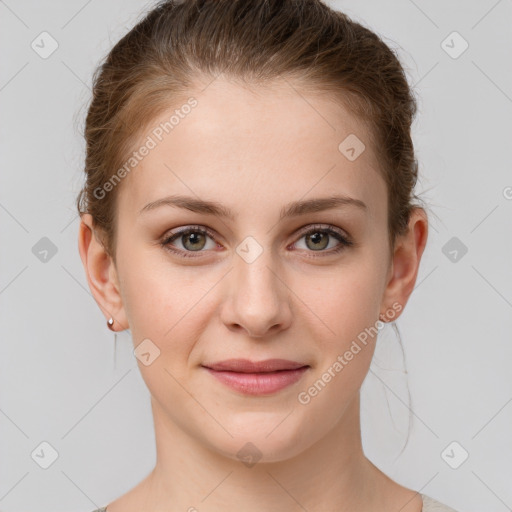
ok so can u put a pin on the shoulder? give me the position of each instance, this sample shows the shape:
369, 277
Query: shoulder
432, 505
429, 505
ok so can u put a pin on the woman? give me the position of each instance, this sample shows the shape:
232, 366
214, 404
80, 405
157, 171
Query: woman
275, 137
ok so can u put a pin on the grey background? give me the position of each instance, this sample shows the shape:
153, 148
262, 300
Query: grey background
58, 382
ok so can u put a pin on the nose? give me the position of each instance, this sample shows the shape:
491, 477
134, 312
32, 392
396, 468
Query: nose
257, 298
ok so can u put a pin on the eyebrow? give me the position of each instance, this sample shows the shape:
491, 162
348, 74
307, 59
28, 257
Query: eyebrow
290, 210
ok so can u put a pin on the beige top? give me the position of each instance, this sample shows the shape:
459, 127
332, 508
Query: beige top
429, 505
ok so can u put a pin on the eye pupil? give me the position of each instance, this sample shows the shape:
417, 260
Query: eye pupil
316, 237
194, 238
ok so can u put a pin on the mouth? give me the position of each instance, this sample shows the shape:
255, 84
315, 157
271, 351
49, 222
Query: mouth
257, 377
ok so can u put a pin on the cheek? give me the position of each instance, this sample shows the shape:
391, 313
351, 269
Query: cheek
346, 335
343, 302
165, 303
153, 289
165, 308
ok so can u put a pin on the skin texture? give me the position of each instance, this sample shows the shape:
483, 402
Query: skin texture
254, 151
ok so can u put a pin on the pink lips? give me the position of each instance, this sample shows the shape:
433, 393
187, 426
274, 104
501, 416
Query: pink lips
257, 377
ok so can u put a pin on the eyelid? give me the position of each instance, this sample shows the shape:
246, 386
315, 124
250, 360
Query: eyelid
305, 230
193, 227
324, 227
345, 240
169, 236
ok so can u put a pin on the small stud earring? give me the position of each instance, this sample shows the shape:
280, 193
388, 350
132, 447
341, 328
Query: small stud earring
110, 324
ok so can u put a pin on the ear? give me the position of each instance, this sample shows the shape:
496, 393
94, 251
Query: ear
101, 273
405, 265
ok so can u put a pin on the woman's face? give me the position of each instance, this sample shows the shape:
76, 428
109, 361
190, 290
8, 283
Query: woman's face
268, 281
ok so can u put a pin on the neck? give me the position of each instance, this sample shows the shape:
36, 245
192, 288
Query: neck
332, 474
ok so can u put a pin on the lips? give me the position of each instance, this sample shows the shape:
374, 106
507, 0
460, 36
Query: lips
257, 377
247, 366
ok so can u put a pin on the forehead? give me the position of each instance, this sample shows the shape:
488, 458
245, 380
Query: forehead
277, 142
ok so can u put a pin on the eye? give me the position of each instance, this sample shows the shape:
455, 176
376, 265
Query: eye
318, 237
195, 239
192, 239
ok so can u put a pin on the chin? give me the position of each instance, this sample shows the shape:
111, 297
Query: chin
261, 438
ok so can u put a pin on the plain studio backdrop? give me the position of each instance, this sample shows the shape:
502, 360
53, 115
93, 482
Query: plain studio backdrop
77, 432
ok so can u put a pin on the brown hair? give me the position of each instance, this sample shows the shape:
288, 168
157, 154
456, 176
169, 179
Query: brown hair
179, 43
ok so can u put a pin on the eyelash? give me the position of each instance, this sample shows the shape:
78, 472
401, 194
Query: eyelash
344, 241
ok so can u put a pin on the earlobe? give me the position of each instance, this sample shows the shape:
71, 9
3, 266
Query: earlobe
406, 261
100, 272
